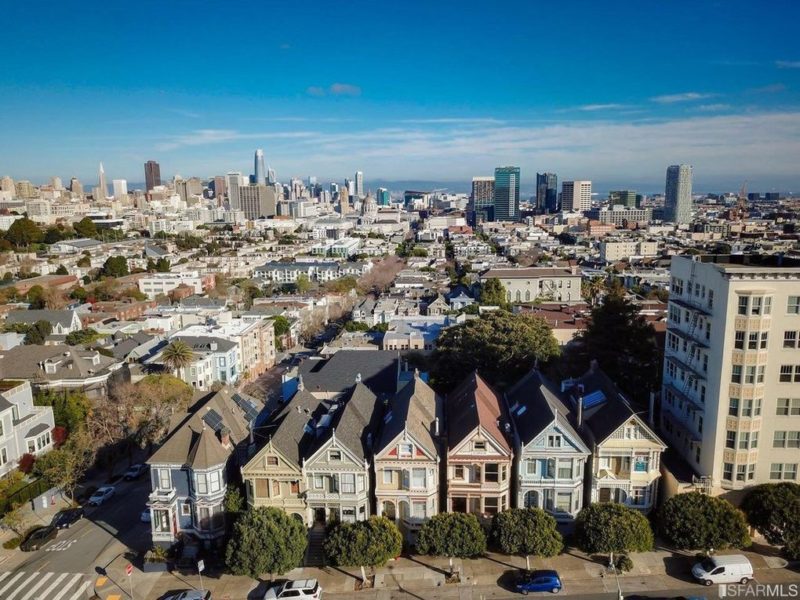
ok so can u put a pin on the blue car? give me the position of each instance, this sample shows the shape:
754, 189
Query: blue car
539, 581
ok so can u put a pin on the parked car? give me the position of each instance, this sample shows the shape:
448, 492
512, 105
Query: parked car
65, 518
189, 595
539, 581
733, 568
38, 538
134, 472
145, 516
101, 495
304, 589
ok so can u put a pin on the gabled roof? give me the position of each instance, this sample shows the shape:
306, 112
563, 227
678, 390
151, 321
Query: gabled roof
474, 403
196, 440
71, 362
61, 317
201, 343
286, 428
534, 404
378, 370
415, 409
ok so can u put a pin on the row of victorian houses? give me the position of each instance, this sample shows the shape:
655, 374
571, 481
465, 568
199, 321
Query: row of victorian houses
357, 435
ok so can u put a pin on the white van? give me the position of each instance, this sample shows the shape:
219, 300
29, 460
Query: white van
733, 568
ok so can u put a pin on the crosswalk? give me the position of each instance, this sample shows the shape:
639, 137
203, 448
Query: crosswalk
19, 585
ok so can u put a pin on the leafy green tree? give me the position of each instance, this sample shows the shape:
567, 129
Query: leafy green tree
36, 297
62, 270
24, 232
303, 284
64, 467
362, 544
623, 343
493, 293
774, 510
234, 501
115, 266
79, 293
163, 265
70, 408
84, 262
612, 528
37, 333
356, 326
86, 228
695, 521
266, 540
281, 325
458, 535
500, 345
527, 531
82, 336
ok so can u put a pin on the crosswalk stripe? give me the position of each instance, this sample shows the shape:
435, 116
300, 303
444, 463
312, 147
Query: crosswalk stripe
67, 587
79, 594
4, 575
53, 585
11, 582
21, 586
40, 583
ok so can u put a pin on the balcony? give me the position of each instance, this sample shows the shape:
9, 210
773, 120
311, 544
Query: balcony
686, 366
692, 339
690, 306
696, 404
160, 496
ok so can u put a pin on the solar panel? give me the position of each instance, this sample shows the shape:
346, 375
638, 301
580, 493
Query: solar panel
593, 399
248, 408
213, 420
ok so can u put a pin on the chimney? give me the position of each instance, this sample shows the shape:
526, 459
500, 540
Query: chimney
580, 412
225, 436
358, 377
651, 413
436, 427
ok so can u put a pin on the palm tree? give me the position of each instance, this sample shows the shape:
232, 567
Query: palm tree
594, 288
177, 355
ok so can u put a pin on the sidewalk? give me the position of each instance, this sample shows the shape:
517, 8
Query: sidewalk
486, 577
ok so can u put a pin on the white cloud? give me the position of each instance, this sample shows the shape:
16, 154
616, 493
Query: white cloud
682, 97
453, 121
335, 89
713, 107
315, 90
773, 88
203, 137
609, 106
787, 64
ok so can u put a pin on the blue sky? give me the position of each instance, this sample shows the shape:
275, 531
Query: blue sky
611, 91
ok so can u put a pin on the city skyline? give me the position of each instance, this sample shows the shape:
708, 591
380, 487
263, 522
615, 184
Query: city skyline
657, 96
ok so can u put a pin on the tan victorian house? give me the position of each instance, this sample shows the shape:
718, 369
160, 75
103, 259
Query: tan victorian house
479, 454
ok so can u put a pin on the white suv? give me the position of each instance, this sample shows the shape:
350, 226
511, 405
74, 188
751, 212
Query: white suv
303, 589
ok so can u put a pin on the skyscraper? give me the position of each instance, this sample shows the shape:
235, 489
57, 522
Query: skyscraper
258, 200
219, 186
678, 196
506, 194
101, 183
75, 186
482, 199
576, 196
120, 188
384, 198
259, 170
546, 193
152, 175
233, 181
56, 183
622, 197
359, 191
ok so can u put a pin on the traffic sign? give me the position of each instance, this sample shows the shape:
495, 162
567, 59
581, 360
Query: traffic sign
129, 570
201, 566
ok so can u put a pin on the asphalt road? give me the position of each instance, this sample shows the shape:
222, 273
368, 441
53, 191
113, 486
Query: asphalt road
92, 542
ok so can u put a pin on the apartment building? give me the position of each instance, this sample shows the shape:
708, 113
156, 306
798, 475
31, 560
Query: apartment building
24, 427
545, 284
613, 251
731, 391
161, 284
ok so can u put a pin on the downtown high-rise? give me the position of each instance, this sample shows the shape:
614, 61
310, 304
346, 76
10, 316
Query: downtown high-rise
259, 170
576, 196
359, 180
152, 175
102, 185
481, 201
546, 193
678, 194
506, 194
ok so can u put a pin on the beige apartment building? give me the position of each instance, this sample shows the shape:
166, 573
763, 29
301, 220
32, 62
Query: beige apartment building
562, 285
731, 391
616, 250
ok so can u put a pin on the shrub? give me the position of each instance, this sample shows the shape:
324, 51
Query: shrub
452, 534
12, 543
623, 563
528, 531
607, 528
695, 521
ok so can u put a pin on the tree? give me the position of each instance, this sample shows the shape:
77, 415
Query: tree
458, 535
695, 521
493, 293
16, 520
64, 467
303, 284
362, 544
527, 531
774, 510
62, 270
281, 324
162, 265
86, 228
177, 355
591, 290
82, 336
84, 261
70, 408
623, 343
53, 235
612, 528
115, 266
36, 297
24, 232
500, 345
266, 540
37, 333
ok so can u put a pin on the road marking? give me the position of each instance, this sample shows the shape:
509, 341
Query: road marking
60, 546
101, 581
21, 585
11, 582
4, 575
67, 587
53, 585
81, 590
114, 597
41, 582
